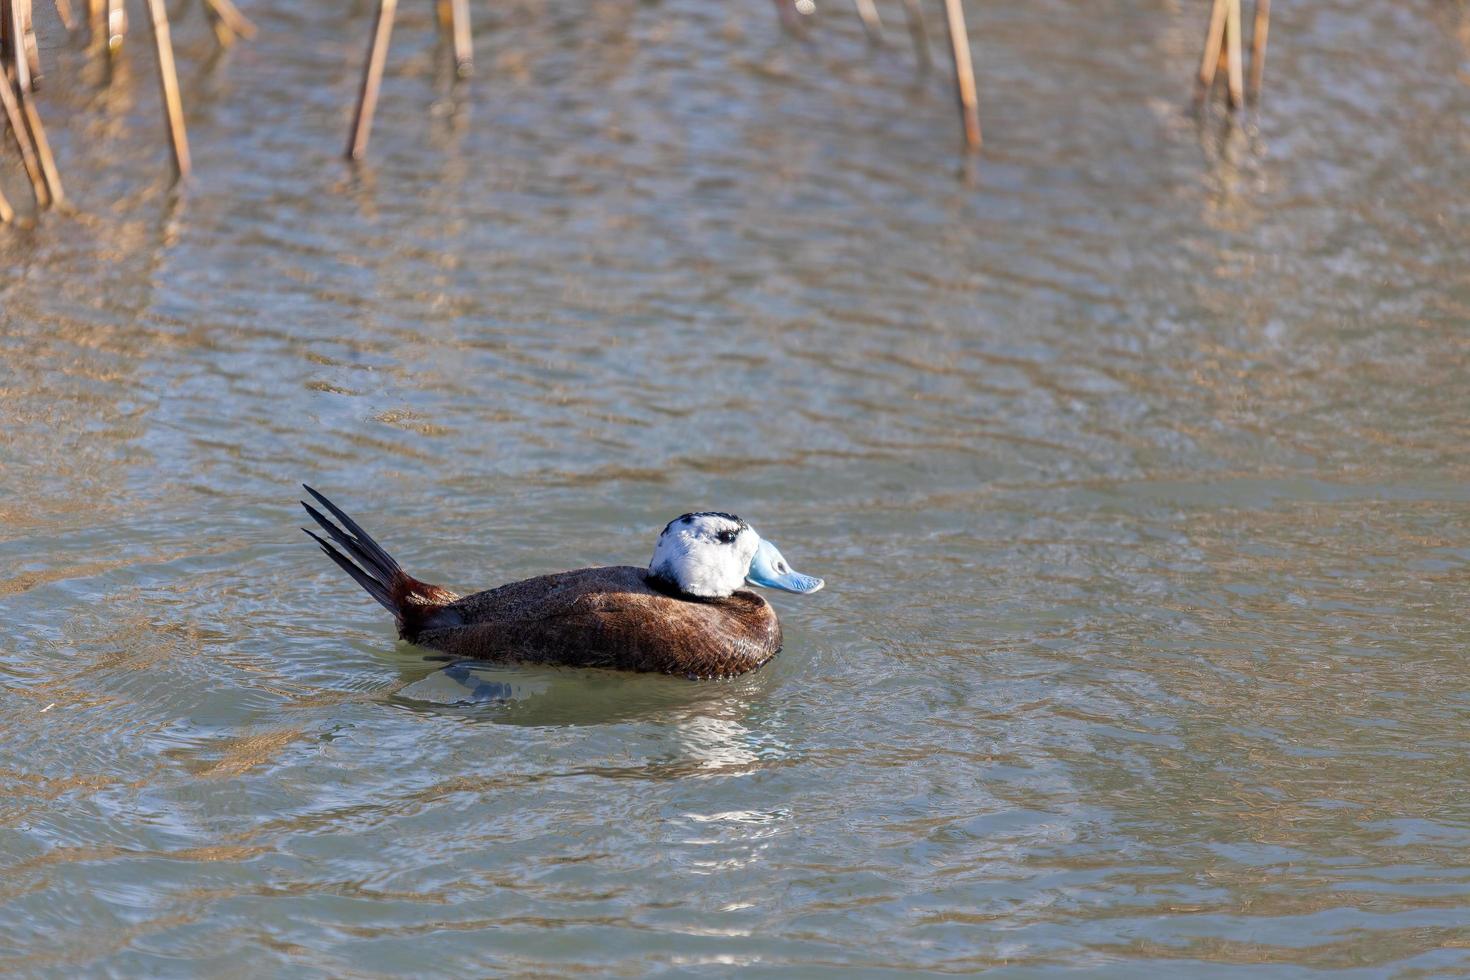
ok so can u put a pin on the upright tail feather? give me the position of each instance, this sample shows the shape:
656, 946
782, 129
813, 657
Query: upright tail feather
415, 605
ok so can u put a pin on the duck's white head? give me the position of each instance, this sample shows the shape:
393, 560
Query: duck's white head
711, 554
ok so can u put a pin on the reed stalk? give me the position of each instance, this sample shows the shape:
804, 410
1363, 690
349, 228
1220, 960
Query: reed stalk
964, 72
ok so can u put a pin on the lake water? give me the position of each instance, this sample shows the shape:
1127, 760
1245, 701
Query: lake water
1135, 456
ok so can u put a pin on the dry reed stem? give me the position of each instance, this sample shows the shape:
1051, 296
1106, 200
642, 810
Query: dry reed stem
1236, 76
229, 23
1259, 33
231, 16
1214, 45
459, 22
64, 11
116, 26
7, 213
25, 122
43, 148
372, 80
32, 49
22, 134
168, 80
15, 33
872, 23
223, 36
964, 72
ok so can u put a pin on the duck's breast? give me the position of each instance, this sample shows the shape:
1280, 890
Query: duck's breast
610, 617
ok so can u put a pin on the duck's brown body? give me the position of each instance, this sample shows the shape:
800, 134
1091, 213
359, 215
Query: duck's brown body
604, 617
592, 617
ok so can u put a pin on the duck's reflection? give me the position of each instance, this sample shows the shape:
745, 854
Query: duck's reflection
711, 723
478, 690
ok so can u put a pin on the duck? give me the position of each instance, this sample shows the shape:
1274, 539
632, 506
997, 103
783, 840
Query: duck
684, 614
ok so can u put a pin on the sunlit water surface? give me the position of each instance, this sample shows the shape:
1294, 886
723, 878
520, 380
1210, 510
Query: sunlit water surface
1136, 458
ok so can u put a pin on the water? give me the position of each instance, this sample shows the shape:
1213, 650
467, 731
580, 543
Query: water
1134, 457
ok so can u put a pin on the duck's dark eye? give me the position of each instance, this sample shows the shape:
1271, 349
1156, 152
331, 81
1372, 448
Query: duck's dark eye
727, 537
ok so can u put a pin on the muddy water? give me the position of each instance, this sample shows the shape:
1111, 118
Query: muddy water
1135, 459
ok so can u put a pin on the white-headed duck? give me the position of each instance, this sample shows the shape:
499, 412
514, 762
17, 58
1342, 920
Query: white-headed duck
684, 614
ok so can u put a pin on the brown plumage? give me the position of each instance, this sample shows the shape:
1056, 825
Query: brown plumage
609, 617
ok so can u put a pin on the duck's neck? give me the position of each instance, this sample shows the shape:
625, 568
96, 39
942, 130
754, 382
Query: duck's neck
670, 588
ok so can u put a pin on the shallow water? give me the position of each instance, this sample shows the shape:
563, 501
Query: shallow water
1135, 458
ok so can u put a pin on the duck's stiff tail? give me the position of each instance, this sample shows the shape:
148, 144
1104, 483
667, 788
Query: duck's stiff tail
415, 605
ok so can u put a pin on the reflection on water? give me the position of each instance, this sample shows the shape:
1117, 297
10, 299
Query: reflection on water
1135, 463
